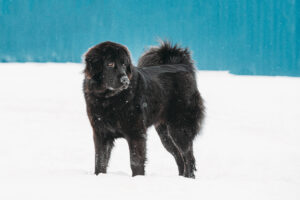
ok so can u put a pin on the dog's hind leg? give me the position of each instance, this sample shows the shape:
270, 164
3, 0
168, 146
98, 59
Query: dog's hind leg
169, 145
183, 139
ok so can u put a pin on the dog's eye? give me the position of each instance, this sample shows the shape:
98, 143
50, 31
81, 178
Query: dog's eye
111, 64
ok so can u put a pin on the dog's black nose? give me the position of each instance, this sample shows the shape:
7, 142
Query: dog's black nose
124, 80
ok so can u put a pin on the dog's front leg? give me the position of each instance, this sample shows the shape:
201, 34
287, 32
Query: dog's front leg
103, 147
137, 148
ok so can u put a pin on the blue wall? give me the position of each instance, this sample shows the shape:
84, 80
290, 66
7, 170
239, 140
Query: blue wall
244, 36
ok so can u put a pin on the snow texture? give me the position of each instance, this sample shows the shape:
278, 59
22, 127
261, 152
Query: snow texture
248, 149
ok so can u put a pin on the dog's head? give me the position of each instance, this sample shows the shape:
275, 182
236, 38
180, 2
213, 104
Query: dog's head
108, 68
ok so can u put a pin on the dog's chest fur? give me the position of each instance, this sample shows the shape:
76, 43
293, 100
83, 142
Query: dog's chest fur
117, 116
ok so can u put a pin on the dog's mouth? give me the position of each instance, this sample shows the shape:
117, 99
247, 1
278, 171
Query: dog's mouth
109, 91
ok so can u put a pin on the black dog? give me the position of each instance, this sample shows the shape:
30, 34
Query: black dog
123, 101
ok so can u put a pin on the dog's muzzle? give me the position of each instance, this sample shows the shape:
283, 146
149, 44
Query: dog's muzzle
125, 81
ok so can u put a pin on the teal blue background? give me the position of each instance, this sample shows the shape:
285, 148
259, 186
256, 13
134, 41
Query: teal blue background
259, 37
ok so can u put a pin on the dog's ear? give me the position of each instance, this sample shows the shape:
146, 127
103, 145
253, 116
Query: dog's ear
130, 67
88, 67
129, 71
90, 61
91, 65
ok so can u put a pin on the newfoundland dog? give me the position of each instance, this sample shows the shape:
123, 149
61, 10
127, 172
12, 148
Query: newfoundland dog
122, 101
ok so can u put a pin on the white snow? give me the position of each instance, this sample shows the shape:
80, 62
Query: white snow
249, 147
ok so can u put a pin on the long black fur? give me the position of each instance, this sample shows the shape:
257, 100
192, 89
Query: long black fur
161, 91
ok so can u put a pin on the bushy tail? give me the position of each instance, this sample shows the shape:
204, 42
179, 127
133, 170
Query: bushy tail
166, 53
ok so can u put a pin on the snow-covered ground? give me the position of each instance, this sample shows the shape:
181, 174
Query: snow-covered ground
249, 147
